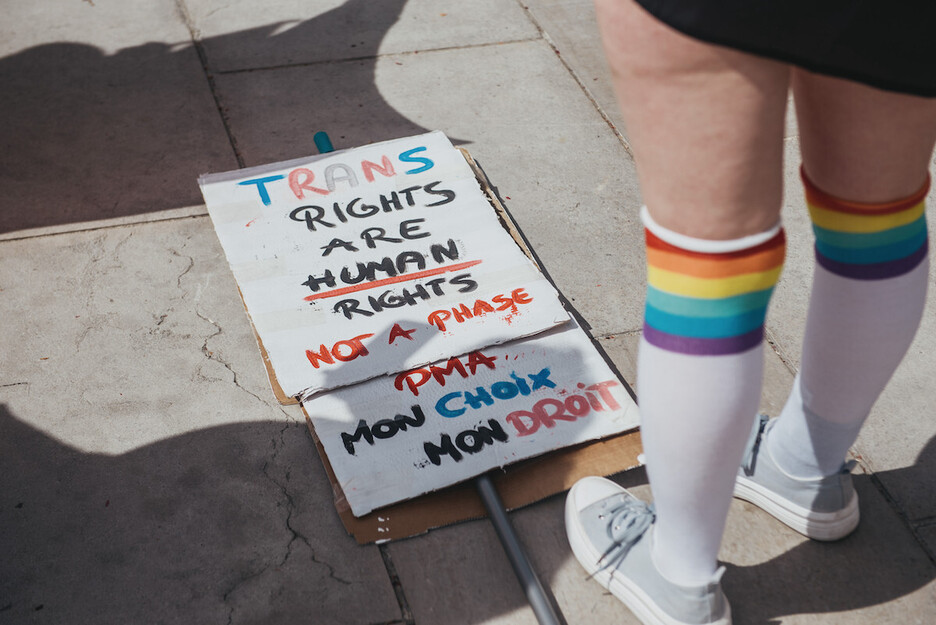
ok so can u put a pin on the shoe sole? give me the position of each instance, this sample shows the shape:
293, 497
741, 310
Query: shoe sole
626, 591
823, 526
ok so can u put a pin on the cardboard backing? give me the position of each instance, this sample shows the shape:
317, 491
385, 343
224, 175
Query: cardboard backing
518, 484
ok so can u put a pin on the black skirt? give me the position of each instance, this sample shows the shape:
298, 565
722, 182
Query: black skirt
888, 45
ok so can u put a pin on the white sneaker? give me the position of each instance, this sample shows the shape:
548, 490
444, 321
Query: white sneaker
610, 532
823, 508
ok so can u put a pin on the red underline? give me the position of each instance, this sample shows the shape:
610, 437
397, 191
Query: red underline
407, 277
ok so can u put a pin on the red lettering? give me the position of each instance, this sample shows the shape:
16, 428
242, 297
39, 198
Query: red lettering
298, 185
461, 313
504, 302
355, 347
577, 406
415, 378
438, 318
481, 307
520, 296
547, 411
516, 419
602, 388
454, 364
397, 331
549, 420
322, 354
385, 168
477, 358
410, 378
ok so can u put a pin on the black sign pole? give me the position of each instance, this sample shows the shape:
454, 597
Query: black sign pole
544, 609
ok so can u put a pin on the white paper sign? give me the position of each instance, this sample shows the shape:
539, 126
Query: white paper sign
373, 260
400, 436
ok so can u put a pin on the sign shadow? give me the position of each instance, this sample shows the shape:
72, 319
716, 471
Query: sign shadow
95, 136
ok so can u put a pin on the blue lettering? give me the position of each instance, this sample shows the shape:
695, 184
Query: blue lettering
407, 157
482, 396
261, 186
443, 409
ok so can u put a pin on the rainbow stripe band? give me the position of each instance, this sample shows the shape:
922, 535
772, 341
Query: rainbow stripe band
709, 303
868, 241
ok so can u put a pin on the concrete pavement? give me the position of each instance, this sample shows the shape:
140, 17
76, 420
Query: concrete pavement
147, 475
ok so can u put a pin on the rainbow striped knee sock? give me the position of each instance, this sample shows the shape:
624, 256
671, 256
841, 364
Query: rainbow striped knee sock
867, 241
868, 295
710, 303
699, 381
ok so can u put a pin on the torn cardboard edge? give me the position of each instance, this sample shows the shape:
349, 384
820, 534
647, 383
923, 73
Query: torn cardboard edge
519, 484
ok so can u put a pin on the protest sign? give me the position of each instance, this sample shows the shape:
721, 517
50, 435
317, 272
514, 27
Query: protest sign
399, 436
373, 260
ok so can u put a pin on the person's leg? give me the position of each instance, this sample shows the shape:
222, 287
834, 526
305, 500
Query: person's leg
706, 127
865, 158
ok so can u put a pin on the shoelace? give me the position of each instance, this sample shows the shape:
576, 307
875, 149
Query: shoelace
627, 522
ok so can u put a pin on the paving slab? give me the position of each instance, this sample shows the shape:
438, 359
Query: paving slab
109, 25
459, 575
106, 114
877, 575
147, 469
563, 173
927, 536
245, 35
572, 27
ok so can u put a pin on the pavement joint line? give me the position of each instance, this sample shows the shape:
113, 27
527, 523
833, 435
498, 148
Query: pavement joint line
405, 611
614, 335
372, 57
195, 34
781, 353
104, 224
588, 94
904, 519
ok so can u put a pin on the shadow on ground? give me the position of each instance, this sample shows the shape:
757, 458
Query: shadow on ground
87, 135
227, 522
234, 522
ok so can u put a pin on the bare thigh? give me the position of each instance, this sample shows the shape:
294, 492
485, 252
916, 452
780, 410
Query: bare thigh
860, 143
705, 123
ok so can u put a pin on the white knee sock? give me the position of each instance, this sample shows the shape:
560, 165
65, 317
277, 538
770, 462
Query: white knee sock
699, 381
868, 295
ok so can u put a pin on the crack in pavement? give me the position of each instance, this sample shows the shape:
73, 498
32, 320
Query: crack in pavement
211, 355
191, 263
277, 443
291, 507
